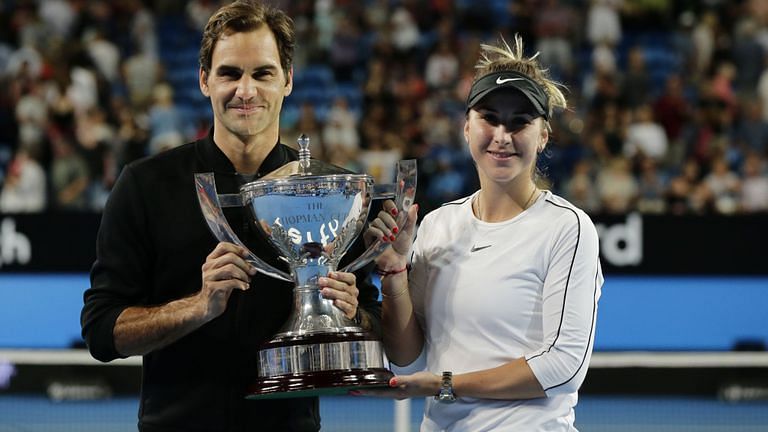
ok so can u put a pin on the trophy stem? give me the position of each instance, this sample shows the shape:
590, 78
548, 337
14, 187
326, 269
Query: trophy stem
319, 351
312, 313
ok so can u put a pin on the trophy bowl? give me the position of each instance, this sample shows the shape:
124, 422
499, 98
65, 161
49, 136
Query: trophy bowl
311, 212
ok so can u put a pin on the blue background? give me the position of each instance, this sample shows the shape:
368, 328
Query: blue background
635, 313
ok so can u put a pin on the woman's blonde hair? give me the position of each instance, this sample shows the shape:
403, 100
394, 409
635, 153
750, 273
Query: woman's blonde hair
502, 57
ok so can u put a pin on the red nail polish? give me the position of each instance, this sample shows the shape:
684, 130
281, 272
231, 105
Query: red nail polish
393, 382
395, 230
393, 211
392, 237
384, 238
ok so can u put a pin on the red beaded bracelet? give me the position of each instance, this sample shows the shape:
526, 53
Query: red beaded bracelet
384, 273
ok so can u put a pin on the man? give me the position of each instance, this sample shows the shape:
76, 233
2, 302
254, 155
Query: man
162, 288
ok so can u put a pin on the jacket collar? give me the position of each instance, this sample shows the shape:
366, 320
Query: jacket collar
215, 160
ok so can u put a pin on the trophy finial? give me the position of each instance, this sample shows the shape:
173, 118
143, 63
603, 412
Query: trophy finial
303, 142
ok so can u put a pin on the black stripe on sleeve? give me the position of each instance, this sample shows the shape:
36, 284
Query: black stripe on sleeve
565, 296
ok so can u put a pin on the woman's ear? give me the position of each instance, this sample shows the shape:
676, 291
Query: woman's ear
544, 138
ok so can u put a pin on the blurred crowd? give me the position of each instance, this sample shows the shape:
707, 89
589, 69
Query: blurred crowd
668, 99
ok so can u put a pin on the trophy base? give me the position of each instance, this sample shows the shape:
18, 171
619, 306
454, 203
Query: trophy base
324, 383
319, 365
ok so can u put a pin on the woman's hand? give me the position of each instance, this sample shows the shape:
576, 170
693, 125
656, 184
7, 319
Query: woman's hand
385, 227
420, 384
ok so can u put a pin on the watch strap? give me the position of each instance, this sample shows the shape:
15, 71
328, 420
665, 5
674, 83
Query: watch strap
446, 393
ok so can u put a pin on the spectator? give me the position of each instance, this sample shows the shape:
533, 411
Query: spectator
411, 88
307, 124
95, 137
704, 35
104, 54
651, 187
198, 12
580, 188
604, 22
340, 129
442, 69
405, 31
748, 56
636, 86
69, 174
723, 186
672, 110
131, 141
24, 188
141, 72
166, 126
142, 27
446, 183
608, 133
83, 89
59, 16
345, 157
344, 55
707, 133
376, 87
754, 187
751, 132
762, 92
380, 158
32, 117
554, 25
685, 194
617, 188
645, 137
722, 85
602, 86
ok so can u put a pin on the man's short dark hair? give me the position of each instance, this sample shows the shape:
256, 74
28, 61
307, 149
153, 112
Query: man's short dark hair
245, 16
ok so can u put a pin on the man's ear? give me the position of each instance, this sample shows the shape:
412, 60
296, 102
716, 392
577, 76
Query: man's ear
289, 82
202, 78
466, 130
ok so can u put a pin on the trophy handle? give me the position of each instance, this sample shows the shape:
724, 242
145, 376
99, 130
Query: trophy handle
404, 193
205, 185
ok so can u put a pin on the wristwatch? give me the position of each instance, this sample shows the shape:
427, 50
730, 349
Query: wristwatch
446, 394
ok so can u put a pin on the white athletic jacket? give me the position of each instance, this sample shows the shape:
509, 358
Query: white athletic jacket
488, 293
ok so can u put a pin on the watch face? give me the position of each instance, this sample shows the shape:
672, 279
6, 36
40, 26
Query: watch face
446, 391
446, 396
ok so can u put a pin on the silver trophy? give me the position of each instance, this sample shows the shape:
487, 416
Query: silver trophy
311, 212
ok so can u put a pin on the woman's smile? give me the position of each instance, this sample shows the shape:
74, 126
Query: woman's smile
502, 155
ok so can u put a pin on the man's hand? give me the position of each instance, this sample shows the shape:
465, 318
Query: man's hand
224, 270
341, 287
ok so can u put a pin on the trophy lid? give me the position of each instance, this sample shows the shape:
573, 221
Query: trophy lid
305, 166
294, 169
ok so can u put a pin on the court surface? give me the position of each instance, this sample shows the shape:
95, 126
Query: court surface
36, 413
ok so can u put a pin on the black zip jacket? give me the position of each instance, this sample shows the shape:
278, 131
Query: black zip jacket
151, 245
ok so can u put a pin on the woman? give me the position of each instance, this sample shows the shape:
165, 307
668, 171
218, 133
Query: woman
501, 296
